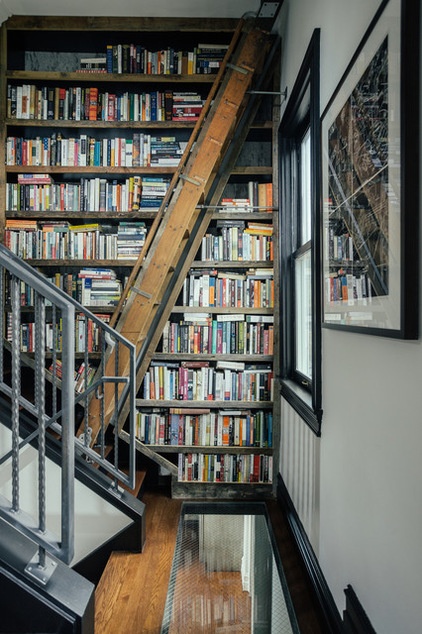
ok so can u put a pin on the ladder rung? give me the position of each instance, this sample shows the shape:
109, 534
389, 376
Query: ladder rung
141, 292
239, 69
190, 180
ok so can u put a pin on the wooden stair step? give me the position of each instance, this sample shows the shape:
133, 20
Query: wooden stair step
140, 476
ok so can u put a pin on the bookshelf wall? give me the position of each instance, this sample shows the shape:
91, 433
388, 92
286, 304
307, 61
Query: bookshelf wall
95, 116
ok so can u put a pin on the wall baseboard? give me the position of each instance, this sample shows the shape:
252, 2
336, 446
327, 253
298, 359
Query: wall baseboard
330, 613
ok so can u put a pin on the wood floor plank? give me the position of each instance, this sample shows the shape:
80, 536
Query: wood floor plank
131, 594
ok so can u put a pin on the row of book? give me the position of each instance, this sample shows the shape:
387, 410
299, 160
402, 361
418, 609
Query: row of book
59, 240
83, 375
258, 196
135, 58
200, 381
261, 200
95, 194
80, 103
233, 241
219, 334
349, 287
87, 334
261, 195
39, 193
225, 467
89, 286
252, 289
206, 428
340, 247
140, 150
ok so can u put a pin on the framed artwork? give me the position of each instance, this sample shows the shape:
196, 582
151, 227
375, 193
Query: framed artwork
370, 173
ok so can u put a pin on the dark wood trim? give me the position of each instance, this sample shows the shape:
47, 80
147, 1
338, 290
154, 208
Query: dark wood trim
356, 620
302, 112
125, 23
330, 613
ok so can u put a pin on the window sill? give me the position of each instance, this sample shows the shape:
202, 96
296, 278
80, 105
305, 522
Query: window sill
301, 401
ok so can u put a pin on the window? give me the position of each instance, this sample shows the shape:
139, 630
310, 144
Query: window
299, 144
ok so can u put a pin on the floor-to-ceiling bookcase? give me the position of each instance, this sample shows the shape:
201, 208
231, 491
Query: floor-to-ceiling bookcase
95, 115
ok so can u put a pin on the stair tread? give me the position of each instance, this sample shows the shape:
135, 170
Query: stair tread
140, 476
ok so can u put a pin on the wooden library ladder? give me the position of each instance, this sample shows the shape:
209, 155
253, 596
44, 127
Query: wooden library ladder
184, 216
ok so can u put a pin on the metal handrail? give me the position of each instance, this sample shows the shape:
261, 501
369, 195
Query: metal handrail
55, 397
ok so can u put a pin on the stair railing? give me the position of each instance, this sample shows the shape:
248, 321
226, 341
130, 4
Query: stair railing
42, 327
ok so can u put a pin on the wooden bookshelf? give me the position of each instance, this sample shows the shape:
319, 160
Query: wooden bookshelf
43, 53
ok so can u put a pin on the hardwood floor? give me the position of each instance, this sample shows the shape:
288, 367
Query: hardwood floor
131, 594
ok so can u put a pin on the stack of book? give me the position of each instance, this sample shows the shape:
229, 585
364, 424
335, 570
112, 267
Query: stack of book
130, 239
165, 151
239, 205
208, 57
99, 287
97, 64
154, 188
187, 106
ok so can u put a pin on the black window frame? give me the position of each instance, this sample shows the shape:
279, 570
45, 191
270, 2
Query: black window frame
302, 113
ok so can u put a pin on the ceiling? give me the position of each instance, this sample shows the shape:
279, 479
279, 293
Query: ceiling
147, 8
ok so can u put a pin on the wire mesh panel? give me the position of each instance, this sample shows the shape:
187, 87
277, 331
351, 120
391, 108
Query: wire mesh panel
226, 578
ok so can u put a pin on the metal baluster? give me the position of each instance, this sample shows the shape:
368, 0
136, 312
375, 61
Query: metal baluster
54, 327
116, 412
87, 429
102, 411
40, 406
16, 388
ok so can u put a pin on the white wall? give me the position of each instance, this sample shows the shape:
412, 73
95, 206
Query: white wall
370, 494
90, 532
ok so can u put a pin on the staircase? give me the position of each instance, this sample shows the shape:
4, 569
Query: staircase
64, 506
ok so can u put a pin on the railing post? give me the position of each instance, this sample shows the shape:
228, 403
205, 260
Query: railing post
68, 430
40, 406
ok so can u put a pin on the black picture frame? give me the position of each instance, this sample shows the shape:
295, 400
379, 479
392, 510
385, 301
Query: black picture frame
370, 173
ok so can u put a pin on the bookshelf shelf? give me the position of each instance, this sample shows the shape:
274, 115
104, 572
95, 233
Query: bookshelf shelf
100, 78
214, 357
79, 170
172, 449
231, 264
222, 310
106, 125
81, 263
89, 215
243, 405
251, 170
